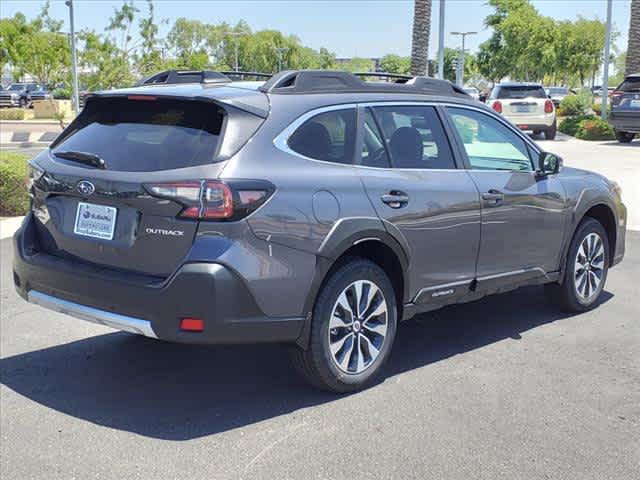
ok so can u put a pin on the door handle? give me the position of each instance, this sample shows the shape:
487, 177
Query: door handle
493, 196
395, 199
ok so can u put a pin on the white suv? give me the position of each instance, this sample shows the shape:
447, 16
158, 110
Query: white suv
526, 105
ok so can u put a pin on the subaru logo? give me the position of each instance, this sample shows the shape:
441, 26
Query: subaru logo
85, 187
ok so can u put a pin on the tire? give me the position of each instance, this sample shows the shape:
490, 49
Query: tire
574, 294
550, 133
333, 361
624, 137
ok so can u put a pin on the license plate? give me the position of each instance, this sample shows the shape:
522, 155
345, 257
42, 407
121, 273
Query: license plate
97, 221
523, 108
635, 104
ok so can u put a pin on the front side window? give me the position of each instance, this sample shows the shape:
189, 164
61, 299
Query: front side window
414, 137
489, 144
328, 136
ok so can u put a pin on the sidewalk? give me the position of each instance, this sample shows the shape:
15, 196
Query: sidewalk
8, 226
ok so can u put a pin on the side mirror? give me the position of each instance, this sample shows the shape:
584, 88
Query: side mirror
548, 163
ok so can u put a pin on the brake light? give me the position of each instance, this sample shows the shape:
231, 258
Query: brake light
548, 106
616, 96
214, 199
497, 106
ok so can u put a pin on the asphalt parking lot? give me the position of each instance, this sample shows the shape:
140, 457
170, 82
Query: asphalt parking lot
506, 387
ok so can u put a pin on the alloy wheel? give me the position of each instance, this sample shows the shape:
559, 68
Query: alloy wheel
358, 326
589, 267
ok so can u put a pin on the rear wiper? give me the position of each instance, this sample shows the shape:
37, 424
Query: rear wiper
83, 157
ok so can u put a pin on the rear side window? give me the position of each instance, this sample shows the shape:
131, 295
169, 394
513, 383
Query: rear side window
328, 136
143, 136
630, 85
414, 137
520, 91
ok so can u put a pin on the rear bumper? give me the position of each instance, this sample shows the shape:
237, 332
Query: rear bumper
625, 122
532, 122
145, 305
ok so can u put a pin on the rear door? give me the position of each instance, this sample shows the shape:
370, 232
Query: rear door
411, 177
626, 99
131, 212
523, 216
520, 102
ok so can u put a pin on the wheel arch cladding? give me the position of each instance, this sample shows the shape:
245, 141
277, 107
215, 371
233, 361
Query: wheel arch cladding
605, 216
373, 243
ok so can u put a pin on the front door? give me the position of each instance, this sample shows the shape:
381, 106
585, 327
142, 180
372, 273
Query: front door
523, 215
409, 173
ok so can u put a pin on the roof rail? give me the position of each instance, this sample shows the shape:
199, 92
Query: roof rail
184, 76
390, 77
327, 81
242, 75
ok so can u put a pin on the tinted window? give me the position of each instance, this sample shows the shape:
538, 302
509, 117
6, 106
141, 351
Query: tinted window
374, 153
328, 136
630, 85
489, 144
520, 91
136, 136
558, 91
414, 137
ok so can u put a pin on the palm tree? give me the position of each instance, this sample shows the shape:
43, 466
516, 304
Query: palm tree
633, 49
420, 39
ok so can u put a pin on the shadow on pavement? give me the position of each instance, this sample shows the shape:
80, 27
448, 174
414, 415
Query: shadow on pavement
179, 392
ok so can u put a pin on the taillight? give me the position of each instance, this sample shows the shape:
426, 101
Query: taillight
497, 106
616, 96
214, 199
548, 106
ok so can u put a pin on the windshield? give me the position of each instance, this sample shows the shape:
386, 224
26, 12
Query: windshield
143, 135
558, 91
17, 87
471, 90
515, 92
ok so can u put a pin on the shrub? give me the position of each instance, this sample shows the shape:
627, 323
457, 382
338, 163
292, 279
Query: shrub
570, 125
578, 104
12, 114
595, 129
14, 199
597, 107
62, 94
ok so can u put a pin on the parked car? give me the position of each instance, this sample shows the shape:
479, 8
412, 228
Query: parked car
23, 94
316, 210
473, 92
625, 109
527, 106
557, 94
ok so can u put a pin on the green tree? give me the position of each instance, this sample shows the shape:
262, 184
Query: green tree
395, 64
358, 64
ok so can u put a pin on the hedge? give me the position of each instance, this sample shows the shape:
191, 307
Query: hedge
12, 114
570, 125
595, 129
14, 199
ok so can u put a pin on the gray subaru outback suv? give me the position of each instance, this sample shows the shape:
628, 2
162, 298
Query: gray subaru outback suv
317, 210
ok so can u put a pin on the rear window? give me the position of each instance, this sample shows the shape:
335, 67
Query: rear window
630, 85
521, 91
143, 136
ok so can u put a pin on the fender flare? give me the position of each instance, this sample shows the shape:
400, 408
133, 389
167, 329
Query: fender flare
346, 233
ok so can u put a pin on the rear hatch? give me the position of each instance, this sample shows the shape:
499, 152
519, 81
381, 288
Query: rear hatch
100, 191
626, 99
522, 100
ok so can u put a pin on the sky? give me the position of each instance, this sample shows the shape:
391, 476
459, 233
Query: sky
364, 28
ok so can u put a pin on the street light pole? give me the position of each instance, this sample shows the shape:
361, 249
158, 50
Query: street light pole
441, 42
605, 75
74, 59
280, 51
460, 70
